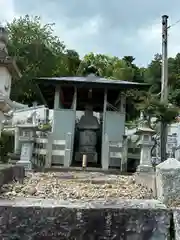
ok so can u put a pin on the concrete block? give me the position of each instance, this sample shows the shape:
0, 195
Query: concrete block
168, 180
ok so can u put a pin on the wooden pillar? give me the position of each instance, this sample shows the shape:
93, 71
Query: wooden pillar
123, 103
104, 111
74, 103
57, 98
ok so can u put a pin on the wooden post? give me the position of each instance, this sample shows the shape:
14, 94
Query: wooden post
57, 98
84, 161
74, 103
123, 103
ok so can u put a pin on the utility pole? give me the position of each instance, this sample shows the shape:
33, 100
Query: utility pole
164, 84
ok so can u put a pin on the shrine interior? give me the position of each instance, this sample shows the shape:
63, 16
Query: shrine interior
89, 117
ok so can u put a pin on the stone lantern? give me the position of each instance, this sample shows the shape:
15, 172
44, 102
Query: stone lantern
3, 38
8, 71
146, 144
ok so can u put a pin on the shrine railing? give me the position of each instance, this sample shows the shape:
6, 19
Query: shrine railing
49, 152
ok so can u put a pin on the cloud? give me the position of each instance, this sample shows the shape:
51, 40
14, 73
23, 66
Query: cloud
110, 27
7, 11
151, 38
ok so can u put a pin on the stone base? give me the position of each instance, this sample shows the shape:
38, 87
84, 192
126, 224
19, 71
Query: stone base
26, 164
145, 168
9, 173
91, 157
32, 218
12, 161
146, 176
13, 158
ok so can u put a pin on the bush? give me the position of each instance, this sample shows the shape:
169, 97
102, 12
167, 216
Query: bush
6, 146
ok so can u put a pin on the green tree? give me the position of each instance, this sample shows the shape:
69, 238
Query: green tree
38, 53
109, 67
152, 74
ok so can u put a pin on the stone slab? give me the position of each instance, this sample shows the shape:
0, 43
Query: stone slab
51, 219
9, 173
168, 180
148, 180
145, 168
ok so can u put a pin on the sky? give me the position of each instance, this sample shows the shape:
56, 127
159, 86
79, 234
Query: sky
116, 27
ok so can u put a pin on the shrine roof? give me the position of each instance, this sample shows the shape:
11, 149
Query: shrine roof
90, 80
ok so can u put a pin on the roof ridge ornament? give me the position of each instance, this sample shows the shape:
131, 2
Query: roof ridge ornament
91, 70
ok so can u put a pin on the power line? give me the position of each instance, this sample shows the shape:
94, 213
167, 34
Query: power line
175, 23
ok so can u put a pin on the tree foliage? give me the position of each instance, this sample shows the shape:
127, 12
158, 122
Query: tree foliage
40, 53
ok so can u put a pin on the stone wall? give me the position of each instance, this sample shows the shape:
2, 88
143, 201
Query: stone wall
168, 181
147, 179
164, 182
32, 219
9, 173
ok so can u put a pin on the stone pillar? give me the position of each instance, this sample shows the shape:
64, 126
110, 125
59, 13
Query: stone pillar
2, 118
57, 103
146, 144
17, 145
168, 180
105, 140
1, 126
105, 153
68, 150
49, 151
124, 154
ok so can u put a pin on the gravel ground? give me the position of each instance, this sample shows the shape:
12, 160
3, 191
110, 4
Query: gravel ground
76, 185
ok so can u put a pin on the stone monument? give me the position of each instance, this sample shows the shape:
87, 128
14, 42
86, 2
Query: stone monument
168, 181
26, 140
26, 133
